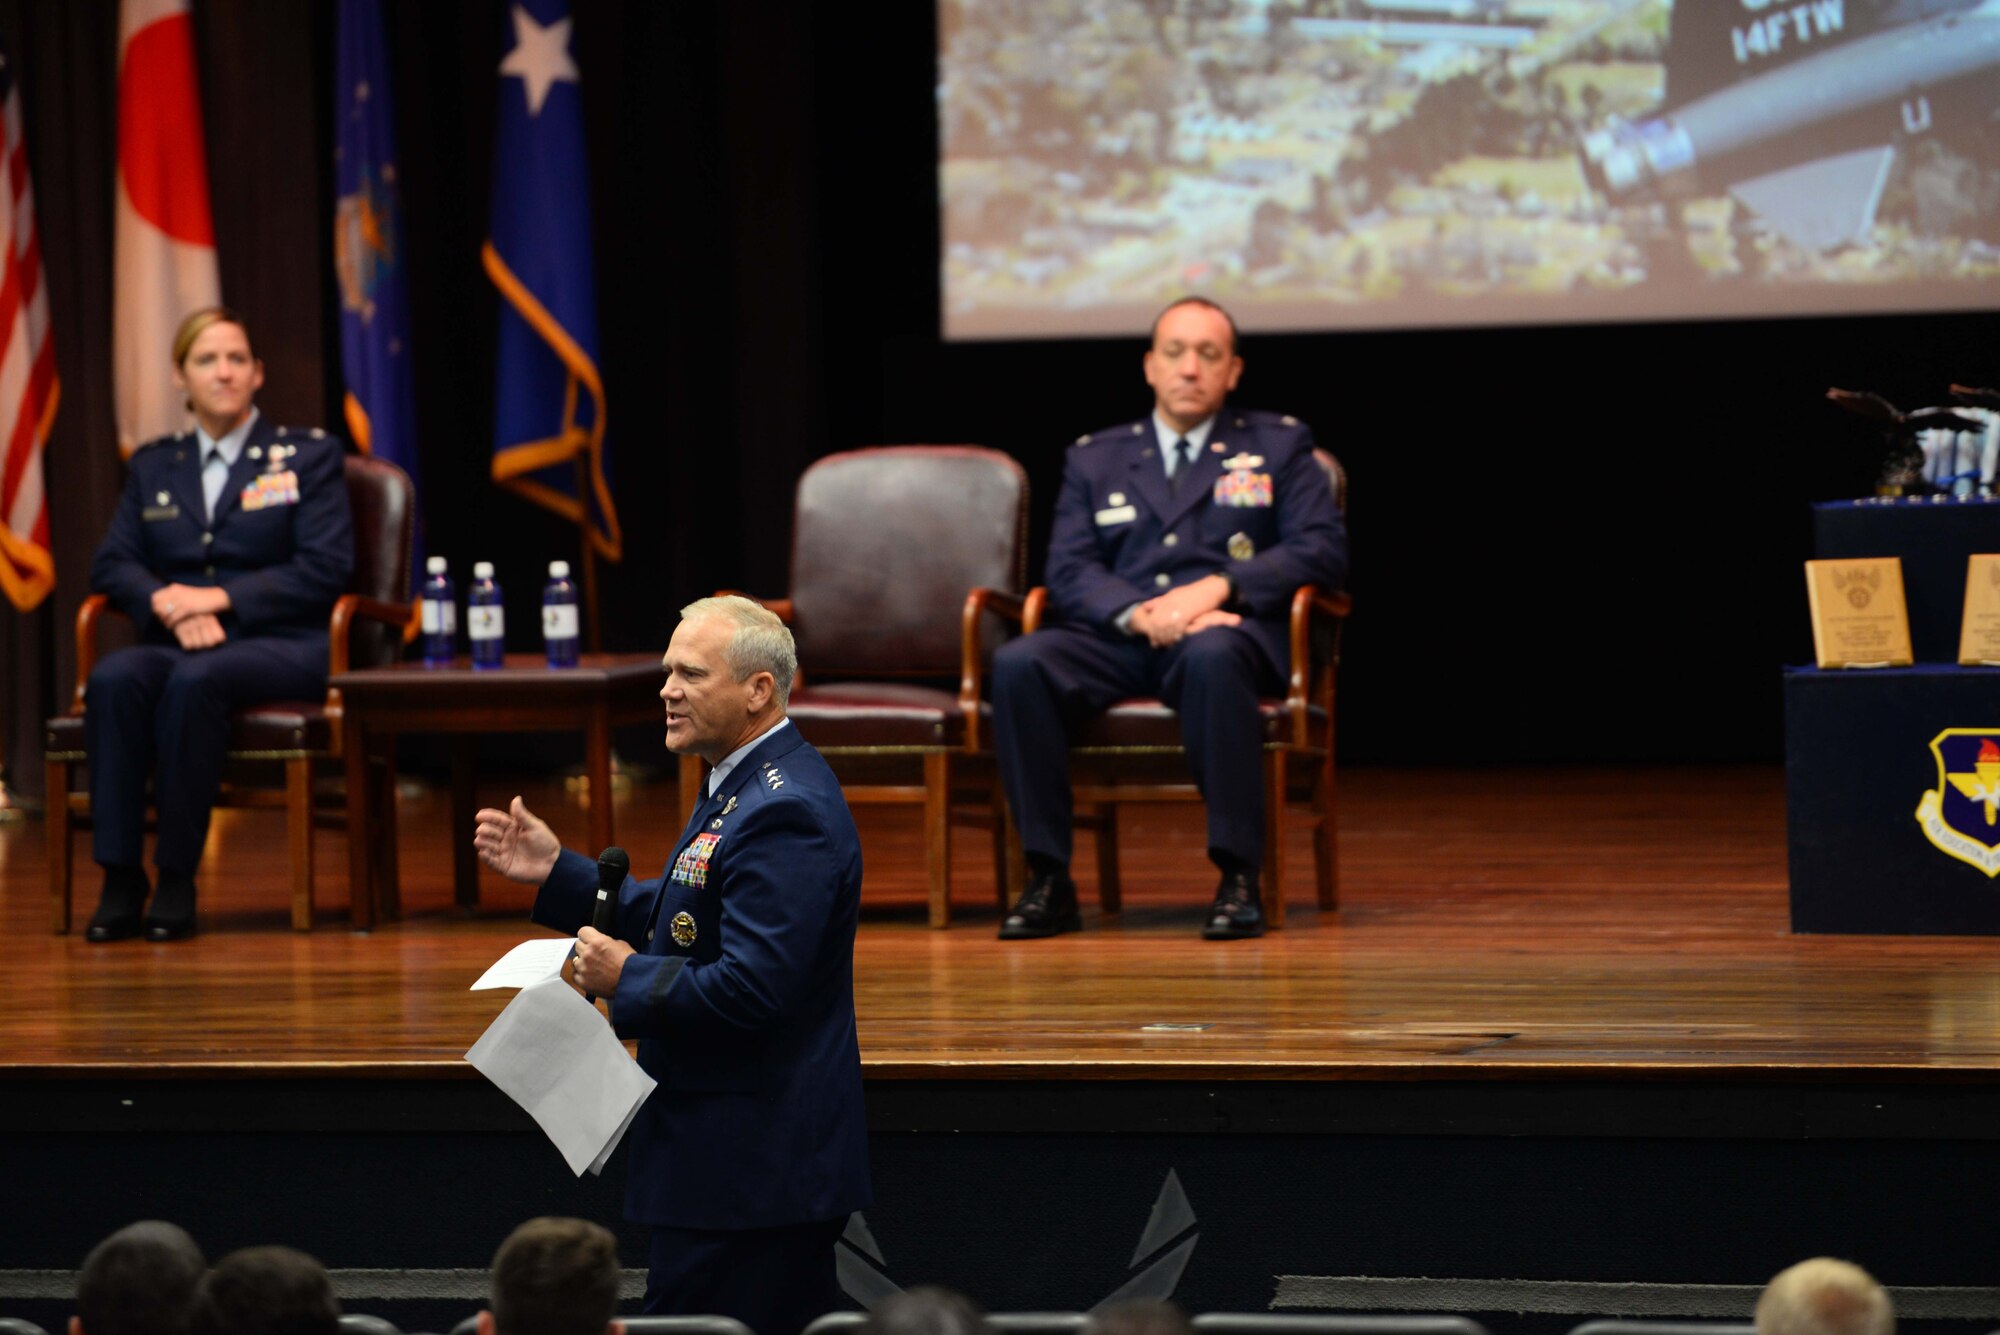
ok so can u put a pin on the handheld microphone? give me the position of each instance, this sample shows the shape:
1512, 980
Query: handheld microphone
613, 865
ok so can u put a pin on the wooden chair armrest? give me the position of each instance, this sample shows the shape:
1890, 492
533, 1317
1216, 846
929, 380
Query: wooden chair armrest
348, 607
1032, 608
1307, 602
1007, 606
87, 618
978, 602
1332, 604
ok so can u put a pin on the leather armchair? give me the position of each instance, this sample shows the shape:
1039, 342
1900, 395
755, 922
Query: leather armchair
365, 629
886, 542
1132, 752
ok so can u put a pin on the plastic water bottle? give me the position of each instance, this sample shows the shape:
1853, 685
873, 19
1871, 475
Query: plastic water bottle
485, 618
440, 615
560, 622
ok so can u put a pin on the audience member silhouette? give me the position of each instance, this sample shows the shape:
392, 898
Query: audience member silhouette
1825, 1297
139, 1281
927, 1310
554, 1276
266, 1291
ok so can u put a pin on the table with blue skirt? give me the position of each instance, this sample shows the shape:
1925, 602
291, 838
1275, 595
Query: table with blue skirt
1890, 826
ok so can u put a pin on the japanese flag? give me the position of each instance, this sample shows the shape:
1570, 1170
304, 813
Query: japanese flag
165, 251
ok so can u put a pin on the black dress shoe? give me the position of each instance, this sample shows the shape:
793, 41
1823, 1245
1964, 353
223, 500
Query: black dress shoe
171, 918
1238, 911
112, 927
1047, 907
118, 905
169, 929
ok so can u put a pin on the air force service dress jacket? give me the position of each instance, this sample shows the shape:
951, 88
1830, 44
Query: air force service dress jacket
281, 540
1256, 507
742, 999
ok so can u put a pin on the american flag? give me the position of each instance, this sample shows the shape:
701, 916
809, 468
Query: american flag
29, 388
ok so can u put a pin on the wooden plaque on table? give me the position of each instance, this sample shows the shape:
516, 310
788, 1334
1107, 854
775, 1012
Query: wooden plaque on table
1979, 632
1859, 618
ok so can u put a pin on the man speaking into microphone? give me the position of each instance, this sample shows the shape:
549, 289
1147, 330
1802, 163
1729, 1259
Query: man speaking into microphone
735, 971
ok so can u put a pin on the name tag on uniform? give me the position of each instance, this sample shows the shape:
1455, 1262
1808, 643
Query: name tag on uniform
1118, 514
1243, 488
154, 513
272, 489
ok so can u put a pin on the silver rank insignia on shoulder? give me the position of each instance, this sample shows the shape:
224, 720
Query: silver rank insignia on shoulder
1240, 546
1137, 428
1289, 420
774, 779
1244, 461
1083, 439
682, 929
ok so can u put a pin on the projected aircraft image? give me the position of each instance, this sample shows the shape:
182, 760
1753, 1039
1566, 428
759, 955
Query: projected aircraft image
1364, 163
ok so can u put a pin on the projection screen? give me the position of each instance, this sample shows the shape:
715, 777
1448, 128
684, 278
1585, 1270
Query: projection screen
1343, 164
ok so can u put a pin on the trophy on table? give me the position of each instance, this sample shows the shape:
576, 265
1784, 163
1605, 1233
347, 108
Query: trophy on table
1945, 451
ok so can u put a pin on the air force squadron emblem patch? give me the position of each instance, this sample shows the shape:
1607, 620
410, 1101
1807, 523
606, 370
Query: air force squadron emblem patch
1961, 816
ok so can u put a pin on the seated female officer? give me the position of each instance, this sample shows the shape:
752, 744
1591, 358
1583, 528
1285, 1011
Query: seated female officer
228, 549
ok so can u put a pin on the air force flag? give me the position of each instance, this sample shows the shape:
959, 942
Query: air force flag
549, 398
368, 245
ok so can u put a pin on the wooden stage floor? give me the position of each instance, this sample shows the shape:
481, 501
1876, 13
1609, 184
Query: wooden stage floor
1496, 924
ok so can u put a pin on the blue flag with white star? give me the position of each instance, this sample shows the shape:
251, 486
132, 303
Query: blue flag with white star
368, 255
549, 398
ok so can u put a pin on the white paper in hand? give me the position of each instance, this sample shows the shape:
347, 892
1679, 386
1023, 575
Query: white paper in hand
552, 1053
529, 962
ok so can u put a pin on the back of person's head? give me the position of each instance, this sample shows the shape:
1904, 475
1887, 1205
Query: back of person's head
555, 1276
266, 1291
927, 1310
1140, 1316
1825, 1297
139, 1281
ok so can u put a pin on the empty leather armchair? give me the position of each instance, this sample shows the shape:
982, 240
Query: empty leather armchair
886, 543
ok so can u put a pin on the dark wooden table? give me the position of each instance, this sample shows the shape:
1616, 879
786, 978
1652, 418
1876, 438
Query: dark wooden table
527, 695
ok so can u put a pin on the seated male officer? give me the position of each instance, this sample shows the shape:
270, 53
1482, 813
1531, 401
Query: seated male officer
1177, 545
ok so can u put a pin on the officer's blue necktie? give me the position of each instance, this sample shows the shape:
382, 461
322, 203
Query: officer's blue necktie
213, 479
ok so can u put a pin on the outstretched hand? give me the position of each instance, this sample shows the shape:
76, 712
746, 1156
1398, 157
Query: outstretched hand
516, 843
